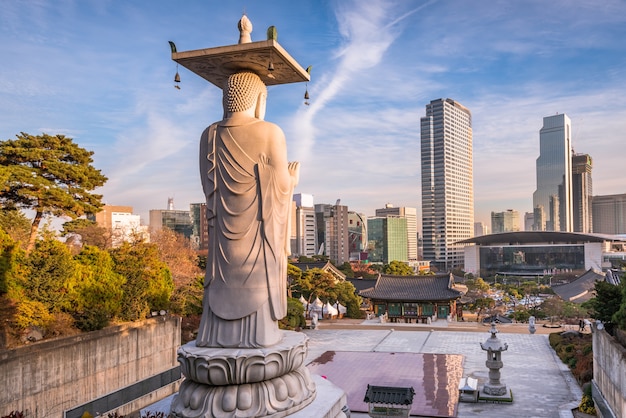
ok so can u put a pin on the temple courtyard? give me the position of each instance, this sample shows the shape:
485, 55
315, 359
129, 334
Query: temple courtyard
432, 358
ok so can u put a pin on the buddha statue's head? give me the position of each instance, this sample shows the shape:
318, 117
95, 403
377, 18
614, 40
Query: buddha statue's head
243, 91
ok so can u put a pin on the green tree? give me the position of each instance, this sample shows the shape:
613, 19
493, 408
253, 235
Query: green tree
398, 268
48, 175
295, 315
16, 224
52, 273
97, 296
606, 303
86, 232
477, 285
148, 283
619, 317
293, 274
316, 283
10, 262
12, 273
482, 304
346, 295
346, 268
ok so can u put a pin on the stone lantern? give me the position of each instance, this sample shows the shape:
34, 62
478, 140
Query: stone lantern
494, 348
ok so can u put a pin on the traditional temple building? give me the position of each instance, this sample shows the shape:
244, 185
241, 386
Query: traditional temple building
413, 298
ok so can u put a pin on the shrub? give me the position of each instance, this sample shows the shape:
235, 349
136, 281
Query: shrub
295, 315
586, 405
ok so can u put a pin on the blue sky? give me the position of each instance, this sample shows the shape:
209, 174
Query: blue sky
101, 72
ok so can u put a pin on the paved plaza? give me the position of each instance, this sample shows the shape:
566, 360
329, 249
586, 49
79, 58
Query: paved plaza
542, 385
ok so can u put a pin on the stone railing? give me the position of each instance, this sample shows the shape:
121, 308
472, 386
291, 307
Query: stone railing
121, 368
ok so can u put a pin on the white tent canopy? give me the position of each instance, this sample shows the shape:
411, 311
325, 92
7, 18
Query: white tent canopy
330, 310
342, 309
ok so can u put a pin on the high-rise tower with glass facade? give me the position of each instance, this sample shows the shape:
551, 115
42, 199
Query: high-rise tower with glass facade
447, 182
410, 214
582, 192
554, 174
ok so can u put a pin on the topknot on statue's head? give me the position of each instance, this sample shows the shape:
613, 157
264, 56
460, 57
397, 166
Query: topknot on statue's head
242, 91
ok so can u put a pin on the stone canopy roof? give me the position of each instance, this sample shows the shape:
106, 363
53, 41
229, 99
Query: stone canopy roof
412, 288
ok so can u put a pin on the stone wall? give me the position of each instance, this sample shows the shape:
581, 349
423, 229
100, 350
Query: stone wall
98, 368
609, 375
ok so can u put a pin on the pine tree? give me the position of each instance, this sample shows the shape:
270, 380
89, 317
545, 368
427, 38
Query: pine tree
50, 175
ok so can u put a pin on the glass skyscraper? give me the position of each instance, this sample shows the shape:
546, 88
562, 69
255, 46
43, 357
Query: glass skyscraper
447, 182
582, 193
554, 174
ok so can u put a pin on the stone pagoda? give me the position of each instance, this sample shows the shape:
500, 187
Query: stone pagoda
494, 348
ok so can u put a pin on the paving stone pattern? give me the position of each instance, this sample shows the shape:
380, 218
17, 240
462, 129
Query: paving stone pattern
542, 385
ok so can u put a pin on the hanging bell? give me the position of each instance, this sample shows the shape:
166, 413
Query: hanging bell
177, 78
306, 94
270, 67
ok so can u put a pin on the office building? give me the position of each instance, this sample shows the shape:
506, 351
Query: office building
529, 221
387, 239
507, 221
554, 175
177, 220
582, 193
410, 214
357, 236
199, 226
447, 182
120, 222
332, 231
304, 230
609, 214
480, 229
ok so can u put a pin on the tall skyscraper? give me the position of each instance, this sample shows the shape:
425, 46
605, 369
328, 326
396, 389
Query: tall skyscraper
554, 174
332, 231
447, 182
507, 221
582, 192
305, 232
410, 214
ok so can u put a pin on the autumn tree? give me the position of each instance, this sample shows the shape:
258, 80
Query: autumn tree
182, 261
346, 268
50, 175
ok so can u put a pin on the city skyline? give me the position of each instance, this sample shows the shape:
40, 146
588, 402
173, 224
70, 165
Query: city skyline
102, 74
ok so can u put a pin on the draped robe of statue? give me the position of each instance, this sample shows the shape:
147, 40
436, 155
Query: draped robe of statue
248, 185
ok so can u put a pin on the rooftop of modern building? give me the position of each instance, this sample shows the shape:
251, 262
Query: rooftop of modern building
539, 237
